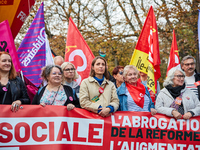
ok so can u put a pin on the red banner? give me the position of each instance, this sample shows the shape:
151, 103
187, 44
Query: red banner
78, 52
53, 127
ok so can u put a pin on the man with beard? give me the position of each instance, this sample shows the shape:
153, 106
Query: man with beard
192, 78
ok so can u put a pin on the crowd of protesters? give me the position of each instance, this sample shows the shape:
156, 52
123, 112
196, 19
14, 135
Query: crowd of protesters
127, 91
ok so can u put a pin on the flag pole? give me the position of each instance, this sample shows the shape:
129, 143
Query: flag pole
22, 76
198, 26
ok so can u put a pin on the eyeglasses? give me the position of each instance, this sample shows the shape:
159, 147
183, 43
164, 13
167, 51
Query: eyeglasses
55, 73
68, 69
189, 64
120, 72
180, 76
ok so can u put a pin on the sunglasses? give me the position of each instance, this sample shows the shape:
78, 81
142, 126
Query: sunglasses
121, 72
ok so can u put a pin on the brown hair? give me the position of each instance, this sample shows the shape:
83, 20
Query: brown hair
92, 73
47, 70
116, 70
12, 72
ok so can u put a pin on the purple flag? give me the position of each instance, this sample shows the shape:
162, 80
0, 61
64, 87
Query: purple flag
32, 53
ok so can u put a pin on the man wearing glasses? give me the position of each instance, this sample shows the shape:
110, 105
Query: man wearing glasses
192, 78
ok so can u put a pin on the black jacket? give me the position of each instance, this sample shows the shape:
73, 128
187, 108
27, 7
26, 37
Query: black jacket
68, 91
197, 78
18, 91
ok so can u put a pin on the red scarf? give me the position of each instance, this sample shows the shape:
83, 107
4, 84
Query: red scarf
137, 93
152, 95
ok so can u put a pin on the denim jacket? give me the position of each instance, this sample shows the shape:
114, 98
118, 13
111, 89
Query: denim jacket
121, 92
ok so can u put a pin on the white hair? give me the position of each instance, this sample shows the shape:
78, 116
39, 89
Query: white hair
170, 76
127, 68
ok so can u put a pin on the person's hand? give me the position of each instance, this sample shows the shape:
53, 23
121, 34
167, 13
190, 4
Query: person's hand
187, 115
176, 114
43, 104
70, 106
15, 105
153, 111
105, 112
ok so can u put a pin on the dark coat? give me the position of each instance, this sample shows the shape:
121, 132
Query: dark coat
197, 78
18, 91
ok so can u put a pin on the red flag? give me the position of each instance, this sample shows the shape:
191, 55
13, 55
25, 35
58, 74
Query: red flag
146, 56
7, 43
174, 60
78, 52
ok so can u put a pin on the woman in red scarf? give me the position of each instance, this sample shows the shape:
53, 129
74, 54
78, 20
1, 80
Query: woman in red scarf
132, 94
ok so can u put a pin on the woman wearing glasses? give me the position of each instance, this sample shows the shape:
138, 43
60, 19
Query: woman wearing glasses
118, 75
54, 93
70, 75
175, 99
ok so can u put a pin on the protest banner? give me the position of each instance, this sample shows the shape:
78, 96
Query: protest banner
32, 51
174, 60
78, 52
146, 56
7, 44
16, 12
54, 127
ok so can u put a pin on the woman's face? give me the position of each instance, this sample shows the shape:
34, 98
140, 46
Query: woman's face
119, 75
99, 67
55, 76
131, 76
5, 62
178, 78
69, 72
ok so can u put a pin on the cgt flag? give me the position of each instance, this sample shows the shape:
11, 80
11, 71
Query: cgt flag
146, 55
7, 44
78, 52
32, 53
174, 60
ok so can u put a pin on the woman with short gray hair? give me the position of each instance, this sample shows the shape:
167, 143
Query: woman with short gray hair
54, 93
132, 94
170, 76
175, 99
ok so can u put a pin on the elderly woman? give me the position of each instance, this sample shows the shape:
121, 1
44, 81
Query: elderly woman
12, 88
70, 74
97, 93
133, 95
54, 93
118, 75
175, 99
